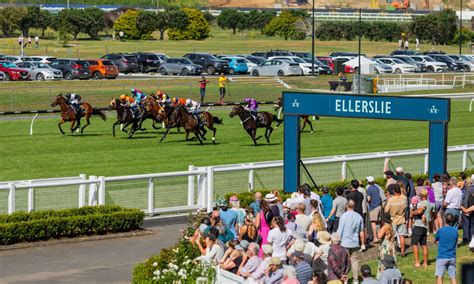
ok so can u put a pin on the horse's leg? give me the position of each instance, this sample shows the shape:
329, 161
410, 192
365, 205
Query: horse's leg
311, 126
113, 127
187, 135
154, 126
132, 129
166, 133
59, 126
88, 122
305, 120
73, 127
270, 130
213, 129
142, 119
203, 132
197, 133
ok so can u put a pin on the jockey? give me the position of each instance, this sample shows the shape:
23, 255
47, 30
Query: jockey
131, 103
194, 108
139, 97
74, 100
182, 102
252, 107
163, 98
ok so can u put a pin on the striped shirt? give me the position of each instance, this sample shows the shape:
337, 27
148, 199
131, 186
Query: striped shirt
304, 272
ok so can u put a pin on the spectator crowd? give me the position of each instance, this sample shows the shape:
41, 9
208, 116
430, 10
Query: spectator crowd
313, 238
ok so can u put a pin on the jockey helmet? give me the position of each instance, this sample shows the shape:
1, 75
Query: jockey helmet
188, 101
123, 97
159, 93
173, 100
133, 90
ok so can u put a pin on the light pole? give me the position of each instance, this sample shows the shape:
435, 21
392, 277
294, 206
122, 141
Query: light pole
67, 4
460, 29
360, 46
157, 6
312, 41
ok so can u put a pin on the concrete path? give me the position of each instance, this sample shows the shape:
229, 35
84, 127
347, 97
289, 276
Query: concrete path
103, 261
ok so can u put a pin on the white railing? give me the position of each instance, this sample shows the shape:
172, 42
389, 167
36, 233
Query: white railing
200, 185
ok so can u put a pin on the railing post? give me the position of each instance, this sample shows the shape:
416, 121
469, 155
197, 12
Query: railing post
92, 192
202, 188
210, 188
151, 197
464, 160
251, 179
82, 192
344, 171
427, 160
11, 198
191, 187
31, 198
101, 194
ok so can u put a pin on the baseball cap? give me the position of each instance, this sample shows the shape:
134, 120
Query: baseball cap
370, 179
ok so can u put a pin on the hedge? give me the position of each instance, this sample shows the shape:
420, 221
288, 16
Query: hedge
44, 225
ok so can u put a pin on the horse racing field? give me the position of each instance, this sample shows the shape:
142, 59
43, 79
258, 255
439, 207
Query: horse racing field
49, 154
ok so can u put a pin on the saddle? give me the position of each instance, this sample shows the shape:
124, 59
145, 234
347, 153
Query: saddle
259, 119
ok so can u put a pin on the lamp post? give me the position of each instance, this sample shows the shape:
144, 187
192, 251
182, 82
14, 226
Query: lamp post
460, 29
157, 6
312, 41
67, 4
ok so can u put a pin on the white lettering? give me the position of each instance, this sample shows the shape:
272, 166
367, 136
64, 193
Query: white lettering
371, 107
388, 108
338, 105
357, 106
363, 106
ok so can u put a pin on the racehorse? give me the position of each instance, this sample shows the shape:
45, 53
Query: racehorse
264, 120
180, 117
152, 110
124, 116
305, 118
69, 114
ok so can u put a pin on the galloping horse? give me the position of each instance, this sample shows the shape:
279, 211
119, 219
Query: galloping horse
152, 111
69, 114
190, 123
305, 118
264, 120
124, 116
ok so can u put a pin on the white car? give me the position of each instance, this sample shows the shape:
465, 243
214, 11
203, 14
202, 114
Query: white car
17, 59
398, 66
40, 71
431, 64
305, 66
249, 63
276, 68
43, 59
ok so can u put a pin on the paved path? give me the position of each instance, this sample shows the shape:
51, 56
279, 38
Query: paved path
103, 261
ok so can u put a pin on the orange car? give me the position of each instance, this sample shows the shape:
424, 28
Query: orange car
102, 68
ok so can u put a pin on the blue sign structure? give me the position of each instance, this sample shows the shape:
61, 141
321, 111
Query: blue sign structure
434, 110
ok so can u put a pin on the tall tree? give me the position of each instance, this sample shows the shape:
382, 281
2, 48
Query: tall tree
231, 19
171, 18
147, 23
94, 21
196, 29
10, 18
30, 19
70, 21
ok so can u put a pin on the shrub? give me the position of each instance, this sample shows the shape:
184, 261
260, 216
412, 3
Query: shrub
196, 29
44, 225
285, 26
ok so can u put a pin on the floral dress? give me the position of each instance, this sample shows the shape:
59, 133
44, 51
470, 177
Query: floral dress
387, 247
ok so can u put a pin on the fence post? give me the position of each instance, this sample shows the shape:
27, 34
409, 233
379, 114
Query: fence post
464, 160
251, 179
425, 168
191, 186
151, 197
344, 171
31, 198
101, 194
92, 192
82, 192
210, 188
11, 198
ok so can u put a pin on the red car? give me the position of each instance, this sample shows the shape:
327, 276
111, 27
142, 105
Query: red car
327, 61
13, 72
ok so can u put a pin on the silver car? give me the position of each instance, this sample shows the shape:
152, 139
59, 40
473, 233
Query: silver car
40, 71
180, 66
276, 68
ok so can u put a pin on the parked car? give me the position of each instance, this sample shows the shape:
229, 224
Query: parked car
17, 59
468, 64
303, 55
2, 76
102, 68
254, 59
403, 52
161, 57
43, 59
276, 68
320, 66
272, 53
13, 72
182, 66
125, 62
453, 65
237, 65
345, 54
40, 71
72, 68
328, 61
147, 62
208, 62
398, 66
381, 68
431, 64
304, 66
419, 67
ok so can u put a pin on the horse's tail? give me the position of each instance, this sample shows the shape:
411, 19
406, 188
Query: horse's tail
275, 118
99, 113
217, 120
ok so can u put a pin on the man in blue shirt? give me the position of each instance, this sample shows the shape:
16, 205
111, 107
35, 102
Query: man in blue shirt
375, 204
256, 204
228, 217
351, 229
326, 201
446, 238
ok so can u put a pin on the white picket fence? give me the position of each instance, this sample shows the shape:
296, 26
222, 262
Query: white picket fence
200, 190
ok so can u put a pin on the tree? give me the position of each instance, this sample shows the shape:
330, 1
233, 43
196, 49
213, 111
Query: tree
231, 19
438, 27
127, 23
147, 23
94, 21
70, 21
257, 20
284, 25
196, 29
30, 19
171, 18
10, 18
44, 21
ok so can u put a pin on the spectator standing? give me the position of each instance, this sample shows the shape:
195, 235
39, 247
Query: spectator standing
396, 206
20, 40
256, 204
417, 44
406, 44
357, 197
391, 274
421, 216
121, 36
453, 199
316, 227
439, 198
264, 218
351, 230
273, 203
367, 275
113, 35
389, 178
234, 203
338, 207
228, 217
274, 273
339, 263
326, 202
446, 238
400, 44
248, 231
304, 272
37, 41
375, 205
387, 246
29, 40
324, 238
202, 87
303, 220
278, 238
222, 84
468, 217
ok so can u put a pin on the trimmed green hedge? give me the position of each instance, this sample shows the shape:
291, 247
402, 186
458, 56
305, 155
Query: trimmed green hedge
44, 225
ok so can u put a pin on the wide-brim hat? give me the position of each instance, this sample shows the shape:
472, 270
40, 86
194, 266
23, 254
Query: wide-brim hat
388, 261
270, 197
324, 237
